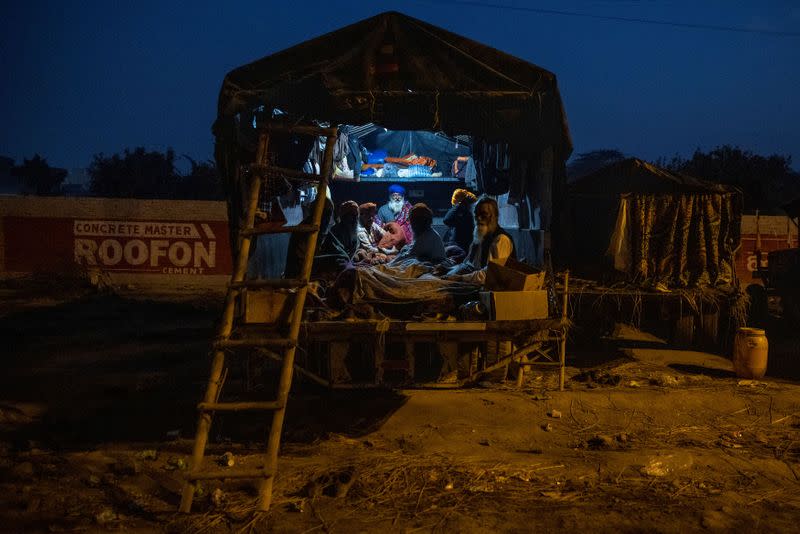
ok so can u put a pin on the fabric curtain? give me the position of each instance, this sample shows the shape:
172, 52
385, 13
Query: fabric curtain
677, 240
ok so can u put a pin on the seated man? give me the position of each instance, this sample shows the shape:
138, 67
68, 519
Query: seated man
369, 232
490, 242
459, 220
396, 210
427, 246
341, 243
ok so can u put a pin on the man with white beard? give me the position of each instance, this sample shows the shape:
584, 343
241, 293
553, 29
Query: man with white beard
397, 210
490, 242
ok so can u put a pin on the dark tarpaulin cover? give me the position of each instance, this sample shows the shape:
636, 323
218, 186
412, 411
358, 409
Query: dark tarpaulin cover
400, 143
670, 229
684, 240
633, 175
405, 74
792, 208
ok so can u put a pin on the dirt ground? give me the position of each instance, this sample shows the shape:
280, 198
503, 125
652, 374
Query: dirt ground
97, 416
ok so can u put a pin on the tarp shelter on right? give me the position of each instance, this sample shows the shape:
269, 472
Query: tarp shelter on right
653, 227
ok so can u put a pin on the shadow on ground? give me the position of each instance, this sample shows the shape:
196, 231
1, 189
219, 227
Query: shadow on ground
783, 360
701, 370
104, 368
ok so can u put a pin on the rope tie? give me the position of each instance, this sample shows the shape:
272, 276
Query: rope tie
371, 106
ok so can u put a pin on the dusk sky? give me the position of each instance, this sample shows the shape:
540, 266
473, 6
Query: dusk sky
102, 76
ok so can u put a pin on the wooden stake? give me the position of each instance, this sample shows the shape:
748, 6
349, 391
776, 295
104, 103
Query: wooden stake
562, 344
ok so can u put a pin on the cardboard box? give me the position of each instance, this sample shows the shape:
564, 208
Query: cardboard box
265, 306
516, 305
512, 275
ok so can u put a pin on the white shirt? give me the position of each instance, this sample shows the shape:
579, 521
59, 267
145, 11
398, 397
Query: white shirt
368, 239
501, 248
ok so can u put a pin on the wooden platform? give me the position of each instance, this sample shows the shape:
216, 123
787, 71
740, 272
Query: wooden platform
390, 352
344, 354
474, 329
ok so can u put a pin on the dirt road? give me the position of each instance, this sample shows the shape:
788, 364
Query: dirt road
97, 415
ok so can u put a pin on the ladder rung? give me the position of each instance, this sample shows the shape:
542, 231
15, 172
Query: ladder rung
285, 173
278, 283
233, 473
293, 229
299, 128
239, 406
276, 342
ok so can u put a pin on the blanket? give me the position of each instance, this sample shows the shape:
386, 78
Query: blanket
410, 282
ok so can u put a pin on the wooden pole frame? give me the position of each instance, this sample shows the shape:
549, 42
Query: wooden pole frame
562, 345
561, 342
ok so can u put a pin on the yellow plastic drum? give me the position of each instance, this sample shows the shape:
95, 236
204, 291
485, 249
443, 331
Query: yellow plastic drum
750, 353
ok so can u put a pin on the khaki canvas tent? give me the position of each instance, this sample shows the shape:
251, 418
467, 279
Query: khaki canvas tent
403, 74
654, 226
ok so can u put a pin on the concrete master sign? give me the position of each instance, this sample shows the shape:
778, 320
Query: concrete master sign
187, 240
149, 246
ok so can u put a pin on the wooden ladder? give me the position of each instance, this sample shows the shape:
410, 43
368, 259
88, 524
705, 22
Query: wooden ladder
286, 345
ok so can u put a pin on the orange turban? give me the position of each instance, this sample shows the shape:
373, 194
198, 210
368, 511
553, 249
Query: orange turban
461, 195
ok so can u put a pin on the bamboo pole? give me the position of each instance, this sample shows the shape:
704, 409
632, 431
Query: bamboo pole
296, 229
290, 174
562, 345
300, 129
238, 406
308, 374
228, 473
520, 374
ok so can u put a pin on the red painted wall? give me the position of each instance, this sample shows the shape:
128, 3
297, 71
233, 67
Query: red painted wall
136, 241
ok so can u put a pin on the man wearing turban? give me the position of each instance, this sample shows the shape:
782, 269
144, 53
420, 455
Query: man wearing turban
397, 210
459, 220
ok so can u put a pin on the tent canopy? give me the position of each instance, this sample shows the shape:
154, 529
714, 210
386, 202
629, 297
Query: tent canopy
404, 74
792, 208
653, 226
633, 175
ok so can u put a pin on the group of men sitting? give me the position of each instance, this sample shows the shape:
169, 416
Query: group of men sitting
398, 234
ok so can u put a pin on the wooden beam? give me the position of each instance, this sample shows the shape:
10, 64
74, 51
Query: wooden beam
445, 326
303, 129
239, 406
233, 473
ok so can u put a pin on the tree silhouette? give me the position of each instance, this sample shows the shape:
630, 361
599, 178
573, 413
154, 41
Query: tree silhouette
39, 177
141, 174
203, 182
134, 174
767, 182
